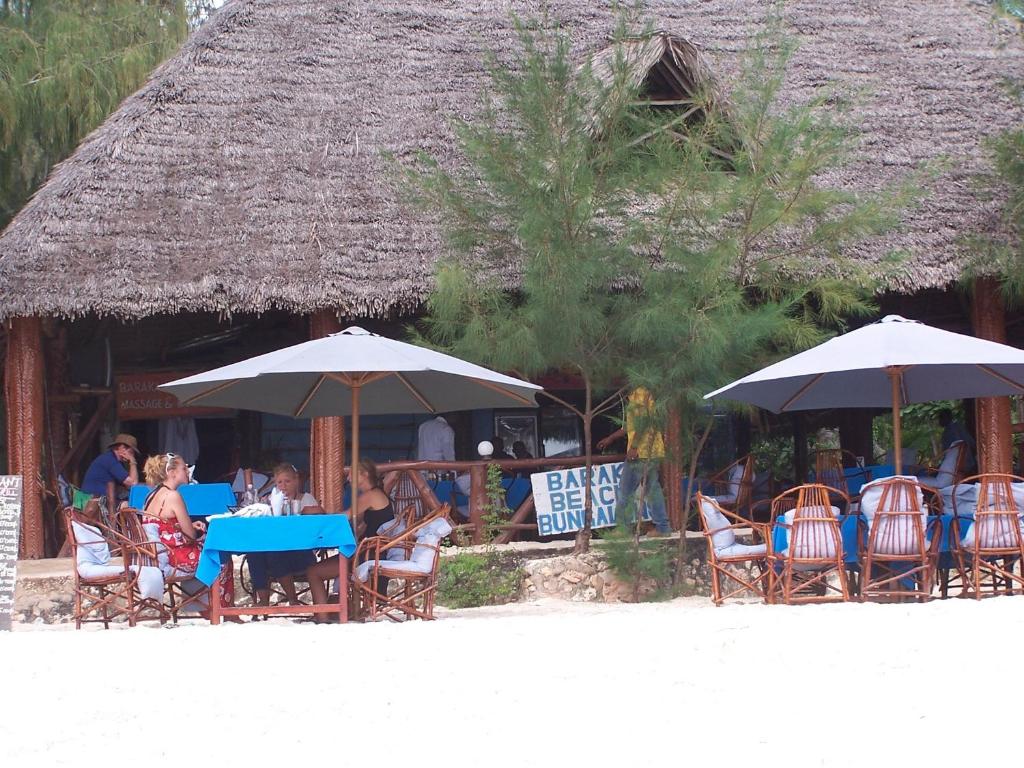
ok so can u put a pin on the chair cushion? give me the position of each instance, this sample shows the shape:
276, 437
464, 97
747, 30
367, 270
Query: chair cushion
993, 532
895, 535
392, 529
966, 498
93, 549
715, 520
151, 582
736, 479
813, 539
428, 539
393, 567
743, 550
163, 558
996, 532
947, 466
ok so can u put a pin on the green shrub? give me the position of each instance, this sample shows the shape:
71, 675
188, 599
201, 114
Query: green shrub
471, 580
637, 563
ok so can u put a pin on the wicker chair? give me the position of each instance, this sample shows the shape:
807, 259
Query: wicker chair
898, 561
734, 485
992, 545
149, 551
421, 546
109, 596
951, 467
814, 549
830, 470
720, 527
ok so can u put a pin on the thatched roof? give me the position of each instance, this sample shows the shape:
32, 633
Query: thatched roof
246, 174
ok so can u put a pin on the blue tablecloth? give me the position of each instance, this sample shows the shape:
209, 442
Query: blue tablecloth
848, 529
235, 535
200, 500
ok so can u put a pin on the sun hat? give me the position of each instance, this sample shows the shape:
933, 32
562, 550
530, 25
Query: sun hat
125, 439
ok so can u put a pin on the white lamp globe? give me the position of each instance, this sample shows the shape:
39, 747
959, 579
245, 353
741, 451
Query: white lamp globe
485, 449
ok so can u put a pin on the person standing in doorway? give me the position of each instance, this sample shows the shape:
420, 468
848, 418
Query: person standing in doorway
435, 440
645, 450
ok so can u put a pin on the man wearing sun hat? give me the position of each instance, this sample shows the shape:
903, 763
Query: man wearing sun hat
117, 463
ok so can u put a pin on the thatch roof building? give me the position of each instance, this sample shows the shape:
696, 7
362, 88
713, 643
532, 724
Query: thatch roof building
247, 173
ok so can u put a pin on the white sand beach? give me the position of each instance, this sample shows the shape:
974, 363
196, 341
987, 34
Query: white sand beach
536, 684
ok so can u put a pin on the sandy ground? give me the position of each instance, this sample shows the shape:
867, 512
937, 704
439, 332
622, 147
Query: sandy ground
545, 683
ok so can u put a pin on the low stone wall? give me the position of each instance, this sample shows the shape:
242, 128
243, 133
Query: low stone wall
588, 577
46, 599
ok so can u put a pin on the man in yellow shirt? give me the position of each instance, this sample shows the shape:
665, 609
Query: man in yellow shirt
644, 452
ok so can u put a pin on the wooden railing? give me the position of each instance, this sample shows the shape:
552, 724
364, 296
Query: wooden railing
412, 474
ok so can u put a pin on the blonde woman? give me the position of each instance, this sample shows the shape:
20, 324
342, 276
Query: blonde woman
373, 510
177, 532
283, 567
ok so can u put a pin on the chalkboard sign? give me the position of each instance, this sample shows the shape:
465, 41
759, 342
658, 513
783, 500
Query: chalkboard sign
10, 526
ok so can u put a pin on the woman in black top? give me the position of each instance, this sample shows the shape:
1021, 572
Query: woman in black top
373, 509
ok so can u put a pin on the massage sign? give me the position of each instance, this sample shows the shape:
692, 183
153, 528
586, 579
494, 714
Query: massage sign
10, 525
559, 498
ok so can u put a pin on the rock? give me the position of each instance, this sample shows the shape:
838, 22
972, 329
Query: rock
573, 577
546, 573
45, 605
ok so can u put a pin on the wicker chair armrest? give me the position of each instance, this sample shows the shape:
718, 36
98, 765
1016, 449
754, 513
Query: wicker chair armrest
934, 530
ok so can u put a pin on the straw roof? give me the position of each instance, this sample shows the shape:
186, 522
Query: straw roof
247, 173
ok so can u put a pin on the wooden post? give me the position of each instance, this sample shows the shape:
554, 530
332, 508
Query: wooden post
799, 448
855, 432
673, 470
327, 436
26, 425
992, 414
895, 380
477, 500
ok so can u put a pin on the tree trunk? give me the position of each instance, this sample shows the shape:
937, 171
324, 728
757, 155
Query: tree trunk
673, 467
687, 498
583, 536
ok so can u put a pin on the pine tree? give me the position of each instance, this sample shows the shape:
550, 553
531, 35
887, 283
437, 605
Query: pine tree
593, 231
64, 66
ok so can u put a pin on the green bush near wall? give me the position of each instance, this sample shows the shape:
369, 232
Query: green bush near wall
472, 580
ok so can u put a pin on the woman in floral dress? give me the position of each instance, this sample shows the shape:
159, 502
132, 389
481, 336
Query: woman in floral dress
181, 537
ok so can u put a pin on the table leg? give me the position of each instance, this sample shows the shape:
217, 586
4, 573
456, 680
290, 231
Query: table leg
342, 588
215, 599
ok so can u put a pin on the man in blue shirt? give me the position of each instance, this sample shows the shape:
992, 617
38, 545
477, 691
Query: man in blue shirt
117, 464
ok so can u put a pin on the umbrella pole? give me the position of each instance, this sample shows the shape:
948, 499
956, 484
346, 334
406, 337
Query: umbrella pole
354, 486
896, 379
354, 473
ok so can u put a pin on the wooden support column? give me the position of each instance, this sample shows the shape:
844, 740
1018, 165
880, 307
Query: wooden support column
673, 470
23, 390
800, 467
855, 432
992, 414
477, 500
327, 435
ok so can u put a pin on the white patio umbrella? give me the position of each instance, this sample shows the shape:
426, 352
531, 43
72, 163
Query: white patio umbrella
893, 362
350, 373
